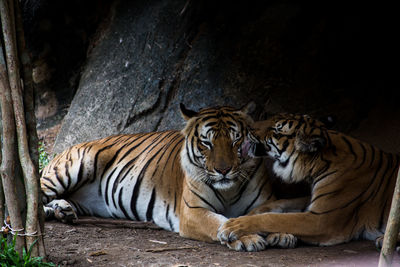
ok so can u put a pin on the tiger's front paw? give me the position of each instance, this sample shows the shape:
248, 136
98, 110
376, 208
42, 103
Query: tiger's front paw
62, 210
249, 243
281, 240
234, 229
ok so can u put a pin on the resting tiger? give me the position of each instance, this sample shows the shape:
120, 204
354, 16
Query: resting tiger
352, 183
188, 182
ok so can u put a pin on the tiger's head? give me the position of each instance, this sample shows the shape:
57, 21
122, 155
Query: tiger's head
213, 139
287, 139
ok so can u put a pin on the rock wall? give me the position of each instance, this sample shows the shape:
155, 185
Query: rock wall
315, 58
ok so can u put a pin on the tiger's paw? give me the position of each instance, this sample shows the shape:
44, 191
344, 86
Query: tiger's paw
234, 229
281, 240
249, 243
379, 242
60, 209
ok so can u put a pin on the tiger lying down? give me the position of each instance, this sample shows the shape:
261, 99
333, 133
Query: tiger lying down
352, 184
189, 182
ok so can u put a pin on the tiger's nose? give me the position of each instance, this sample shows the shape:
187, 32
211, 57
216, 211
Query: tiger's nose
223, 171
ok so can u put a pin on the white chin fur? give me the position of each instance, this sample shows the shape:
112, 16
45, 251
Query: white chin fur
223, 186
283, 172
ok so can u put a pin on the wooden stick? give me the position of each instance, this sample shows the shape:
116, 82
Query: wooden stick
7, 168
117, 223
2, 200
156, 250
392, 228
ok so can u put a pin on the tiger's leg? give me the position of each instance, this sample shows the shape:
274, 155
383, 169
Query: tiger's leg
308, 227
283, 205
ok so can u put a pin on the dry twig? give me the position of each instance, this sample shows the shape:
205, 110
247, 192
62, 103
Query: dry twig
117, 223
163, 249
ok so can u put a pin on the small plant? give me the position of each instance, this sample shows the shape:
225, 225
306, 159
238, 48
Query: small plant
10, 258
44, 157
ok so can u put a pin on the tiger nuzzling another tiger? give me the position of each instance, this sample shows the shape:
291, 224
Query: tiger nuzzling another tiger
188, 181
352, 183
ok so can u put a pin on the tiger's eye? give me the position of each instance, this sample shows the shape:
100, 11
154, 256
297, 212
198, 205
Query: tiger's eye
206, 144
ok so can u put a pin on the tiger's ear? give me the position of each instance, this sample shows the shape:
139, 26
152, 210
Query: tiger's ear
329, 121
309, 143
248, 108
187, 114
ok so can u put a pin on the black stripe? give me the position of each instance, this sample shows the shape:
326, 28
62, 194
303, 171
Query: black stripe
188, 153
350, 146
322, 177
245, 184
364, 151
150, 206
204, 200
325, 194
80, 175
107, 184
67, 174
49, 180
255, 199
294, 165
217, 194
372, 156
119, 179
358, 196
209, 118
51, 189
210, 124
384, 176
121, 204
139, 179
59, 179
173, 152
129, 165
167, 217
192, 207
127, 153
109, 163
175, 202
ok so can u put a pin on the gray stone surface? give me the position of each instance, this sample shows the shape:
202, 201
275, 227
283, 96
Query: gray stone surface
285, 56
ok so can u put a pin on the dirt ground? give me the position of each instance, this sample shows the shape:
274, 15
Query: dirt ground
125, 245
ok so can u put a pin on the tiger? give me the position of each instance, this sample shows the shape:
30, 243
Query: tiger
352, 183
188, 181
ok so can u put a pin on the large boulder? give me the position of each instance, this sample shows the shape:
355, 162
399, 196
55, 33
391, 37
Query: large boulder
285, 56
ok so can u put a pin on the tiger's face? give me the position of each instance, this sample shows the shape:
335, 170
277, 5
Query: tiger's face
212, 150
284, 138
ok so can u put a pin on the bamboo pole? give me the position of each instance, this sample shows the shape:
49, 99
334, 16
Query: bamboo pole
7, 168
29, 104
2, 203
30, 173
392, 228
